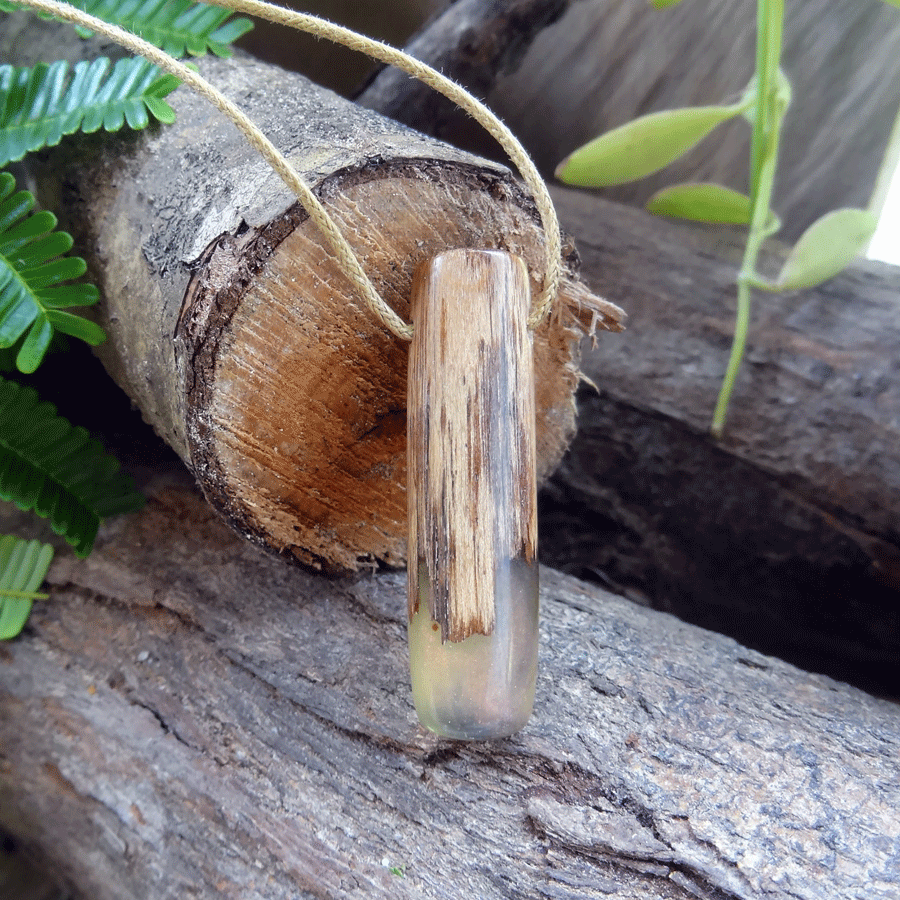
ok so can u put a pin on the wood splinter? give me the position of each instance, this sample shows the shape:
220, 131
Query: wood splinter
471, 486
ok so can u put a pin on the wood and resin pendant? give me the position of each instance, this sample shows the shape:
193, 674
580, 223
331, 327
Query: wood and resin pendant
471, 485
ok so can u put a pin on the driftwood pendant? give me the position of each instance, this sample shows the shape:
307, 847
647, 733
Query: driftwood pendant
471, 486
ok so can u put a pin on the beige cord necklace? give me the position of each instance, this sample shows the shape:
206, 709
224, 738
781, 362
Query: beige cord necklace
471, 483
281, 165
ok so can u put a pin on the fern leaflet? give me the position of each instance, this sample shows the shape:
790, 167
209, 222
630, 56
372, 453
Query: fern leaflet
176, 26
33, 276
39, 105
57, 470
23, 565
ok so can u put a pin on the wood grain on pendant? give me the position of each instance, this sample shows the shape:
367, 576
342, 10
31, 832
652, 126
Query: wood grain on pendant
471, 435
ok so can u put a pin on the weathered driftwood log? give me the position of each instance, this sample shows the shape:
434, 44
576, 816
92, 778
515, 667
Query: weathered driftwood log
332, 65
786, 534
474, 42
188, 717
604, 62
235, 331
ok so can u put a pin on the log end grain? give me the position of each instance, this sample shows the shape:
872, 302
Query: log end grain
296, 394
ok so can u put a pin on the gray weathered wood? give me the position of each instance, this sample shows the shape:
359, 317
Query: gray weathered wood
786, 534
191, 718
474, 42
604, 62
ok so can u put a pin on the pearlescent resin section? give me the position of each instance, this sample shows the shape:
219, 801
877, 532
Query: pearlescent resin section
483, 686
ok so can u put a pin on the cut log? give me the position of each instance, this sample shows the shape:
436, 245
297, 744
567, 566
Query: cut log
786, 534
235, 332
188, 717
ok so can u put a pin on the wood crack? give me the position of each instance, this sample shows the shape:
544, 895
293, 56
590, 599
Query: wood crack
621, 831
163, 724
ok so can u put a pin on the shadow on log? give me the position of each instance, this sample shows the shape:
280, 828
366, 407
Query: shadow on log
786, 534
190, 717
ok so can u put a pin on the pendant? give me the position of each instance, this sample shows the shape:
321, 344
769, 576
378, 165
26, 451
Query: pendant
471, 487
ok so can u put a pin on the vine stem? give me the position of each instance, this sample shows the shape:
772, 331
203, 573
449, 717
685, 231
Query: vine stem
763, 162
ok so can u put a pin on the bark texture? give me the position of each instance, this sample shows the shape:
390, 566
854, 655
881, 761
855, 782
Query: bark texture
188, 717
605, 62
234, 330
475, 42
786, 534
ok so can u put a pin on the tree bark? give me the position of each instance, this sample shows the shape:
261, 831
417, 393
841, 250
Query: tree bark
603, 63
785, 534
474, 42
190, 717
234, 330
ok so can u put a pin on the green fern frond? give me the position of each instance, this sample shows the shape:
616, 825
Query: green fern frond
176, 26
33, 276
57, 470
23, 566
39, 105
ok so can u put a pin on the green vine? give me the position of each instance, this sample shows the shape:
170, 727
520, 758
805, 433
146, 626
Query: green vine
769, 111
47, 465
649, 143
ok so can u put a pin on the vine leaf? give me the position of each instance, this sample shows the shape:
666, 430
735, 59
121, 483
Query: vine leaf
643, 146
702, 202
705, 202
23, 566
827, 247
176, 26
55, 469
39, 105
33, 276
